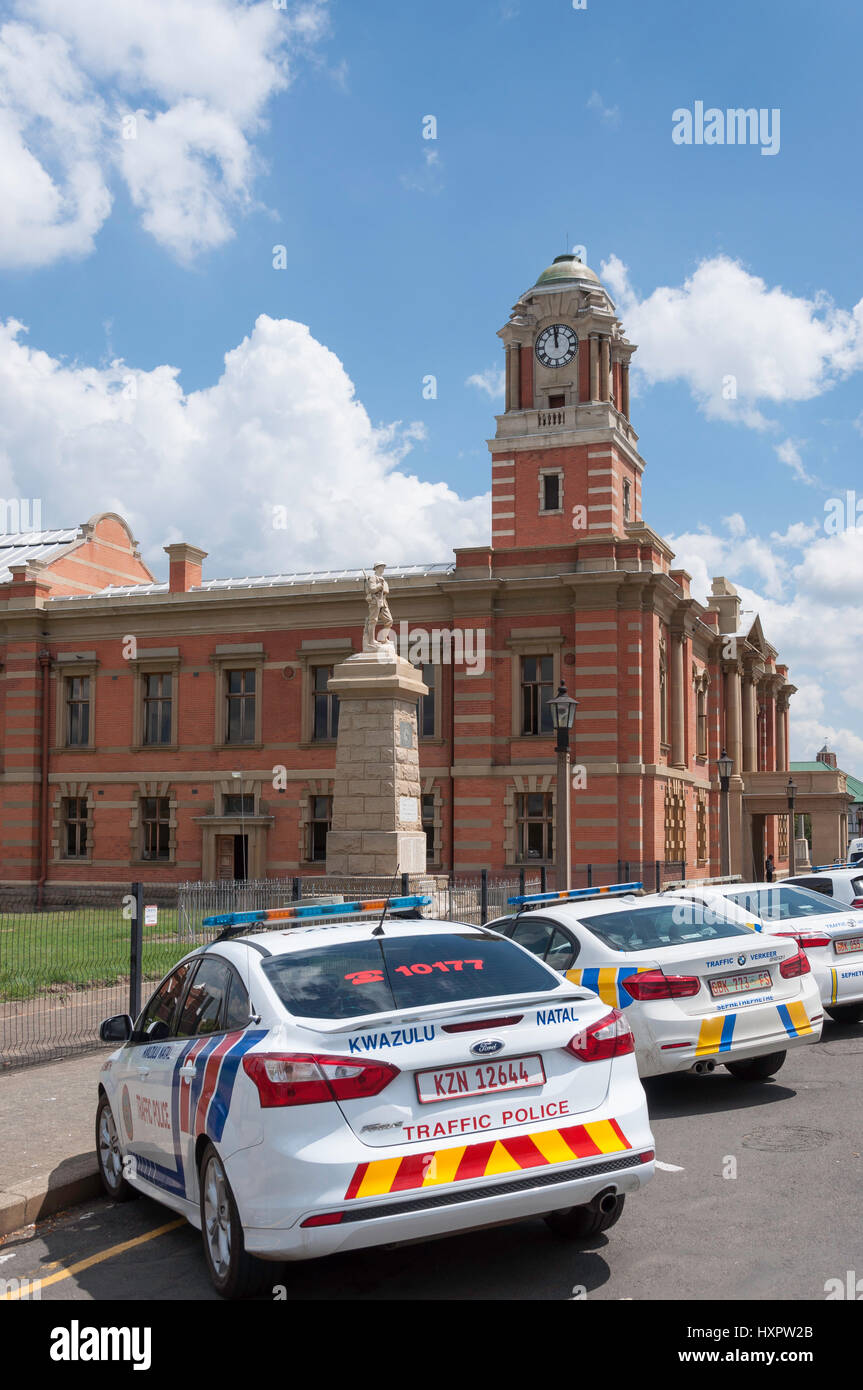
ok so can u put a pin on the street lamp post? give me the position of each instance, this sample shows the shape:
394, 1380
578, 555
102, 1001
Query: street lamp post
726, 767
562, 717
792, 847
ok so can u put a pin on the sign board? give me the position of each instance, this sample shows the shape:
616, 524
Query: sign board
151, 915
408, 809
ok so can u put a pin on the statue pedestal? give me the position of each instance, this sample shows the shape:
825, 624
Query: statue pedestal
377, 808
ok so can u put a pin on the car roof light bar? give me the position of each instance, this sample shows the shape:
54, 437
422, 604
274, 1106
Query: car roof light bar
574, 894
837, 864
314, 911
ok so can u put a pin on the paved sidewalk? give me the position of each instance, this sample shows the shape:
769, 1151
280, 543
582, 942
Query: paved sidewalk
47, 1144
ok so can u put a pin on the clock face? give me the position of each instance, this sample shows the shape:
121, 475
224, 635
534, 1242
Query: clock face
556, 345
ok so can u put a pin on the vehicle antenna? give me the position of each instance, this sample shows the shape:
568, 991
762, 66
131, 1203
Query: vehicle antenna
379, 929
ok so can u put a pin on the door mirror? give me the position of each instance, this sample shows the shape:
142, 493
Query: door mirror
117, 1029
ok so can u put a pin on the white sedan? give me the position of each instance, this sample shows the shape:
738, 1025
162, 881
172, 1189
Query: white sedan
696, 992
830, 932
324, 1087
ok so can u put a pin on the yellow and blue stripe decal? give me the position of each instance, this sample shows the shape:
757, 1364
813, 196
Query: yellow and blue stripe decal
795, 1019
715, 1034
607, 982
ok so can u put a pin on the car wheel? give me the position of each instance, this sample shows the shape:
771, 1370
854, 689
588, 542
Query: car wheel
233, 1272
108, 1154
757, 1068
846, 1013
581, 1223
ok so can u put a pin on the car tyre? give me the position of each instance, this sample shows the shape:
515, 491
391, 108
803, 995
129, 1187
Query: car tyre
233, 1272
109, 1155
582, 1223
846, 1013
757, 1068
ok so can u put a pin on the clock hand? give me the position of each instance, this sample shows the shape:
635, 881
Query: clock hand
555, 338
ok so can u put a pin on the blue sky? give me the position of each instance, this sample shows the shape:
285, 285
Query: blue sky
302, 128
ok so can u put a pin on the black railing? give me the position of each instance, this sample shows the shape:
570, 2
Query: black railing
90, 952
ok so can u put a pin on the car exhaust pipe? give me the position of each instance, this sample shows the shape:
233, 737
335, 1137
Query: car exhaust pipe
604, 1201
704, 1068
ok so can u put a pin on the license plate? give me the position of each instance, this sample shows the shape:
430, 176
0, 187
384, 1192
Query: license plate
477, 1078
847, 944
740, 984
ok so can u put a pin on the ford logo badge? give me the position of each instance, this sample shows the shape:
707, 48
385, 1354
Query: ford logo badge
487, 1045
741, 960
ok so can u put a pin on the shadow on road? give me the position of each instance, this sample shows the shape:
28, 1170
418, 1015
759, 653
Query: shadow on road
671, 1097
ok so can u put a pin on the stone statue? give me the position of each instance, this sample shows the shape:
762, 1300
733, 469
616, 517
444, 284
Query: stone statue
376, 591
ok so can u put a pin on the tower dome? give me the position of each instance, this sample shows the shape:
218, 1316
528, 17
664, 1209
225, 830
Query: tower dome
565, 270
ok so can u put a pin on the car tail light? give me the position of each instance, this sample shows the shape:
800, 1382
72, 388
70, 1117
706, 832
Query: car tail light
858, 902
795, 965
478, 1024
805, 938
284, 1078
654, 984
610, 1036
330, 1218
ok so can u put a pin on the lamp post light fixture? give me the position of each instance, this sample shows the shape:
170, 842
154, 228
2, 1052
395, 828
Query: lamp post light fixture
791, 790
563, 709
726, 767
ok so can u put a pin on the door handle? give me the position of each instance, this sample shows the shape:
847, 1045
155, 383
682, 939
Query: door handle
143, 1071
188, 1071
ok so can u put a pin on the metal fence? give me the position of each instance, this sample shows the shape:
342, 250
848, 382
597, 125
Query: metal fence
91, 952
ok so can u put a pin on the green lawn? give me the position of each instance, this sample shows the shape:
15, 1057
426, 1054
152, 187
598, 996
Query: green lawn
83, 947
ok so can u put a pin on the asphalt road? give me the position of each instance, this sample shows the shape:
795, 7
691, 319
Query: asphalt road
760, 1200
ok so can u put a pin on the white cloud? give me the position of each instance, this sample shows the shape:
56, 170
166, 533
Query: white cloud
609, 114
429, 179
198, 73
735, 342
789, 453
281, 428
492, 381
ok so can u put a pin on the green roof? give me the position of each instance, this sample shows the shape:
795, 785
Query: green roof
855, 786
565, 269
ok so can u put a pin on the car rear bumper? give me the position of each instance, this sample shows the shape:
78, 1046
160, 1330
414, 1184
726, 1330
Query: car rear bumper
404, 1193
838, 983
425, 1216
674, 1042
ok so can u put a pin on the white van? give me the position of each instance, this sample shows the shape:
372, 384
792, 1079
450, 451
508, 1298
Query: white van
855, 852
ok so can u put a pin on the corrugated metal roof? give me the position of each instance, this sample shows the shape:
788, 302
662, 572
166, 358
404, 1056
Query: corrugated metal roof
263, 581
18, 547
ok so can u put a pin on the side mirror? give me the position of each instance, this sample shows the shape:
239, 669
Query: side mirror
117, 1029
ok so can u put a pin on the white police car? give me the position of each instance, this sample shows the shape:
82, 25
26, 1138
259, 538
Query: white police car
352, 1083
840, 881
830, 932
695, 987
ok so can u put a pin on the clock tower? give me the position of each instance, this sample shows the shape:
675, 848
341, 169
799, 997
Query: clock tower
565, 466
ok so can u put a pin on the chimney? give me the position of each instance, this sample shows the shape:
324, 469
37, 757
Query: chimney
185, 566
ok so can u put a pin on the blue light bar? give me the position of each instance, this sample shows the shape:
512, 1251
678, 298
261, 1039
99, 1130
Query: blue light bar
837, 864
294, 914
573, 894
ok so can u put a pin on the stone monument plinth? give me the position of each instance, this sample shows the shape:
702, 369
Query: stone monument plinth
377, 816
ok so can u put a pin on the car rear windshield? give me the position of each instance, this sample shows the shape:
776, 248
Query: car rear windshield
784, 902
668, 924
351, 978
857, 887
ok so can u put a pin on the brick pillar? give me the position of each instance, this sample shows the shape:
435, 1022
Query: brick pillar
678, 745
603, 368
594, 367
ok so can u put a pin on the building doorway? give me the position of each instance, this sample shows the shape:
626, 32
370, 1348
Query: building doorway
232, 858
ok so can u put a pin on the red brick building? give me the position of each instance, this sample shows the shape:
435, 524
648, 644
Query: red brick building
183, 729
